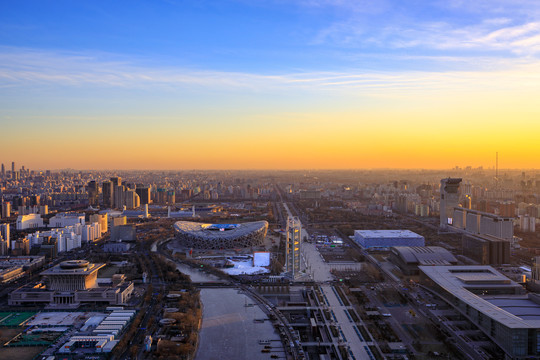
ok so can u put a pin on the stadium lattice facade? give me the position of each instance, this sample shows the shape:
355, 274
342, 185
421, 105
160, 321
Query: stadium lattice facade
220, 236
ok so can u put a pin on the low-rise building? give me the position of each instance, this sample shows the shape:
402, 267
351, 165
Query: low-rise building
387, 238
31, 221
70, 284
408, 258
66, 219
495, 304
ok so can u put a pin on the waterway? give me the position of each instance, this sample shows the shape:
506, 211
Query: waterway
228, 328
196, 275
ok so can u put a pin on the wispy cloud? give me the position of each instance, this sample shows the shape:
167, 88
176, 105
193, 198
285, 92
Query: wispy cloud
490, 35
30, 68
502, 27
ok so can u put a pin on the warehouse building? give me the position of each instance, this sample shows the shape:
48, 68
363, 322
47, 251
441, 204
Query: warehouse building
408, 258
387, 238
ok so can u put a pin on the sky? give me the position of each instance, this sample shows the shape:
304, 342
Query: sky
262, 84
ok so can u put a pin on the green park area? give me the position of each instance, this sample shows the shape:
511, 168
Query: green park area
15, 319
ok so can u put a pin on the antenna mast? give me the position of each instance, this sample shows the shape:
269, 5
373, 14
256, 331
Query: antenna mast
497, 165
497, 170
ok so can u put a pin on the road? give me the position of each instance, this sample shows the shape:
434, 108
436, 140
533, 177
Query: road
348, 330
316, 267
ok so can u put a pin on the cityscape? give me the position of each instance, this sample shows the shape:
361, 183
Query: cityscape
269, 264
299, 180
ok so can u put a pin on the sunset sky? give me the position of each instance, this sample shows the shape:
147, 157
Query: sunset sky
263, 84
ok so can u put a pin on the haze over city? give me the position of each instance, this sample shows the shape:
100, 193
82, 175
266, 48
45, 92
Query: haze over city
269, 179
269, 84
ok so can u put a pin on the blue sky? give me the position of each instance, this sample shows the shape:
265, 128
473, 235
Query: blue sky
190, 64
277, 37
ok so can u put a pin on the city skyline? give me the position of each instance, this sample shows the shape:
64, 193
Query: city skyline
270, 84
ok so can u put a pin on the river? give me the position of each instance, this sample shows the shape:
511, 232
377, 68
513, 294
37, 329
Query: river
228, 328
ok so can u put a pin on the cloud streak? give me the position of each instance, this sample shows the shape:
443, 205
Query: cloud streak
488, 36
496, 28
32, 68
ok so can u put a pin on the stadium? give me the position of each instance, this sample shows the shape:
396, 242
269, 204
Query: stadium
220, 236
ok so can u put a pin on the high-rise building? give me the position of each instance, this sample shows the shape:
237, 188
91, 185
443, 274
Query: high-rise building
20, 247
186, 194
4, 236
144, 194
35, 200
527, 223
119, 196
102, 220
93, 193
116, 182
3, 171
467, 202
6, 209
4, 247
171, 198
507, 208
161, 196
107, 187
449, 200
293, 246
12, 167
131, 199
44, 209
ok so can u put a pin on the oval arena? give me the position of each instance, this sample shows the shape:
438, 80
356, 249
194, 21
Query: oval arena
220, 236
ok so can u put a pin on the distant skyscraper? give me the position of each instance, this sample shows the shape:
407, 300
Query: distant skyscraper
449, 200
107, 187
144, 194
93, 193
116, 181
6, 210
3, 171
12, 167
293, 246
119, 196
4, 236
171, 198
131, 199
161, 196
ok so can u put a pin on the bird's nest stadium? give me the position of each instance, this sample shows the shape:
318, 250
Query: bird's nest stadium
220, 236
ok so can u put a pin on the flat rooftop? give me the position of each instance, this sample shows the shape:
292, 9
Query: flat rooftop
425, 255
58, 318
523, 308
87, 270
381, 234
456, 279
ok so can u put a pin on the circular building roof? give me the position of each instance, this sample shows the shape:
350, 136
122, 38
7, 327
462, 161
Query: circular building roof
220, 236
74, 264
